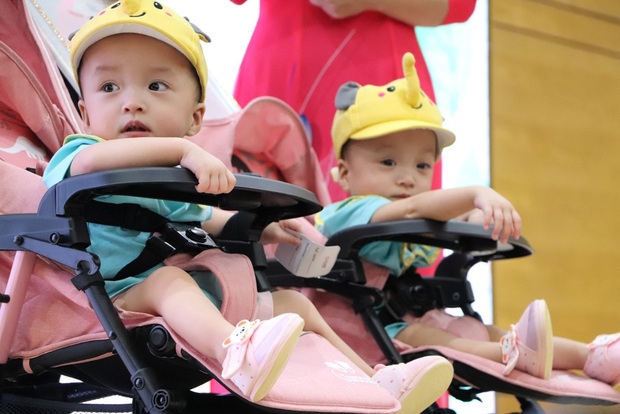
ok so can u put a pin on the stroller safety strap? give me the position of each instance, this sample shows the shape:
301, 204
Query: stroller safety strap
168, 239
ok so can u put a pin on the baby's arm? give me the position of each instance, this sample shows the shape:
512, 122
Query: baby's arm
447, 204
213, 176
273, 233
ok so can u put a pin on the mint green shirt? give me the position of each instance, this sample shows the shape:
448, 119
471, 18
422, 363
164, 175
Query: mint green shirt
116, 246
358, 210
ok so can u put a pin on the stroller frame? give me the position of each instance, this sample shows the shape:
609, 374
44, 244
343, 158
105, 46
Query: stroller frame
448, 288
58, 232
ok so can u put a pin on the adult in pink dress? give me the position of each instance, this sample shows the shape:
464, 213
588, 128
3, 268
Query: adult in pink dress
301, 51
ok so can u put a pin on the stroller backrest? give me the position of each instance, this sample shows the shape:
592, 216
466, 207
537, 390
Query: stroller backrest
36, 110
266, 138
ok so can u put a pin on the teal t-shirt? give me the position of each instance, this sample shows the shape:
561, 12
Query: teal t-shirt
396, 256
358, 210
116, 246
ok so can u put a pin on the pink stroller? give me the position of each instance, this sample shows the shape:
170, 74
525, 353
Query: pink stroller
55, 319
350, 295
137, 354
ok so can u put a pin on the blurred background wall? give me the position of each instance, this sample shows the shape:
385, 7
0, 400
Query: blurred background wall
555, 152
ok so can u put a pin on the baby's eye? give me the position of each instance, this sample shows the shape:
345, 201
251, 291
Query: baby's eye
388, 163
423, 166
158, 86
109, 87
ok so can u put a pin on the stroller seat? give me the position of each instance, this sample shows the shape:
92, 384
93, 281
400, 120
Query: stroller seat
58, 323
349, 296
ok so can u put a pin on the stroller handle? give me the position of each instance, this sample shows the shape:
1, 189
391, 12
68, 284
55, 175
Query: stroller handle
454, 235
268, 198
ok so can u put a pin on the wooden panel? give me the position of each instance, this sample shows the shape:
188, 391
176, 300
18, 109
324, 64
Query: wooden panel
555, 152
610, 8
553, 22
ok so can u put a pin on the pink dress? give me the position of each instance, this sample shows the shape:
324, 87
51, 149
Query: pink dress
299, 54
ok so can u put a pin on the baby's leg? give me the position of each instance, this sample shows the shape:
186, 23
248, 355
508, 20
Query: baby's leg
416, 384
292, 301
252, 354
528, 346
417, 334
171, 293
567, 353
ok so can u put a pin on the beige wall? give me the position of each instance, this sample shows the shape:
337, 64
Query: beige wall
555, 152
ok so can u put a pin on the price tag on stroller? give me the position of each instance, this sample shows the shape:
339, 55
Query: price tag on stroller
309, 259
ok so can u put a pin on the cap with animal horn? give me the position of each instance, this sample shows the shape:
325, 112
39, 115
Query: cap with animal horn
149, 18
370, 111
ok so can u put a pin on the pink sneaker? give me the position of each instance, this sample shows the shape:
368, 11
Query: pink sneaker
258, 351
528, 346
416, 384
603, 361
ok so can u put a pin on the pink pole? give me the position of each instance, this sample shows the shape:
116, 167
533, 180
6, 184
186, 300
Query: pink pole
17, 285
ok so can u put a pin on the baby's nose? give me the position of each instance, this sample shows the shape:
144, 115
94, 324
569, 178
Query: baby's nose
133, 103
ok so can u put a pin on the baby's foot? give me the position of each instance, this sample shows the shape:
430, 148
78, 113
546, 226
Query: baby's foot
603, 361
258, 352
528, 346
416, 384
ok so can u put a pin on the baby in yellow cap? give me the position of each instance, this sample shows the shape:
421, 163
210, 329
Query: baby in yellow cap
387, 140
143, 76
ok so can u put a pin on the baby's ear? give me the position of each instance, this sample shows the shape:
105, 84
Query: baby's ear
340, 175
345, 97
197, 117
83, 112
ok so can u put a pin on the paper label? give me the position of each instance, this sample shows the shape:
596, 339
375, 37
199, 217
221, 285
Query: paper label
309, 259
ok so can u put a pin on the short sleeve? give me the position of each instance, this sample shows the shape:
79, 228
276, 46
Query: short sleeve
60, 164
459, 11
353, 211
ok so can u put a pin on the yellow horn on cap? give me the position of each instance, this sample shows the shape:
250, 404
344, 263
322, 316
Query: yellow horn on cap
413, 82
130, 6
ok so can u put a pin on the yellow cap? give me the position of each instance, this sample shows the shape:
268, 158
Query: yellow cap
370, 111
149, 18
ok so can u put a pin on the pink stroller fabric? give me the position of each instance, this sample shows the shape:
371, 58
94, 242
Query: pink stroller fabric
269, 139
36, 112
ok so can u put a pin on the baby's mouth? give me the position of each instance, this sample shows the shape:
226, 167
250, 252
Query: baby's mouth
135, 127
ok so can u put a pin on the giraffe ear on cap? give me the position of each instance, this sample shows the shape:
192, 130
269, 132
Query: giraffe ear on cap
203, 36
346, 95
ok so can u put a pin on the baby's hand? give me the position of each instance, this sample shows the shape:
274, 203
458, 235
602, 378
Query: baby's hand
276, 232
475, 216
497, 210
213, 176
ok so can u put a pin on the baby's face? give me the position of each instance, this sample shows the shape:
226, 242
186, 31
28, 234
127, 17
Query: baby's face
394, 166
136, 86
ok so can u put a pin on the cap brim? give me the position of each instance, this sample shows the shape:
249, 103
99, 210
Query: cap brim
122, 28
444, 137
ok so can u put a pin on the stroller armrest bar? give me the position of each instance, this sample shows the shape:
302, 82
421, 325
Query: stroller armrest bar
457, 236
62, 231
274, 199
